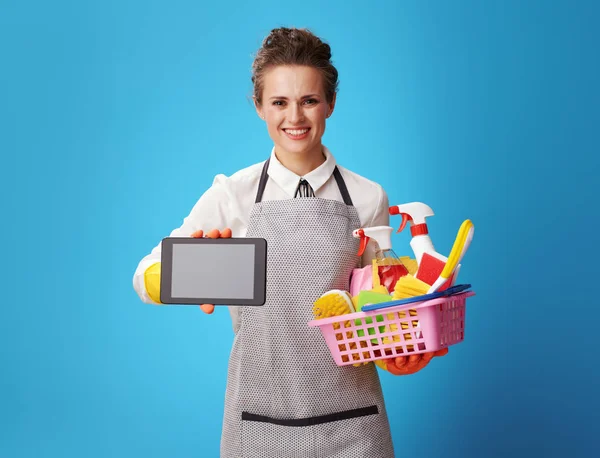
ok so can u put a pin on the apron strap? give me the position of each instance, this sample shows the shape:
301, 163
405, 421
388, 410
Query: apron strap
264, 176
263, 181
342, 185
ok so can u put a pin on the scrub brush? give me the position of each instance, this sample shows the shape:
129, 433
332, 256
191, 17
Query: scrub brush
335, 303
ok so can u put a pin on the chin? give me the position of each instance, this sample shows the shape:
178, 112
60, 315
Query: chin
298, 147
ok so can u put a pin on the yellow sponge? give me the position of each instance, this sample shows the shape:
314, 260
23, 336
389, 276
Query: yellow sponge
409, 286
410, 264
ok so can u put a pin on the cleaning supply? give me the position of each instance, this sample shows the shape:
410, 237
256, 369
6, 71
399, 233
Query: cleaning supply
409, 286
370, 297
460, 247
361, 280
410, 264
389, 266
406, 287
431, 263
335, 303
456, 289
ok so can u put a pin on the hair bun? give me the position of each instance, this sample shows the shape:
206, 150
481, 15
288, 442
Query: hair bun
292, 46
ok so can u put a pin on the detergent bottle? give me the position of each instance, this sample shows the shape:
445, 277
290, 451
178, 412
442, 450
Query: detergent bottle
389, 266
430, 262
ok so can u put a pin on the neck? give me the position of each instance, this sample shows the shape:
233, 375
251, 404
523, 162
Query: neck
303, 163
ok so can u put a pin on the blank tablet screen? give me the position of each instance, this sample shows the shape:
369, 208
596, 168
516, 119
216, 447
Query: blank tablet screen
217, 271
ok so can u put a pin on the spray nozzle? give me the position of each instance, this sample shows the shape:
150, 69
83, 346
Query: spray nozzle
381, 234
415, 212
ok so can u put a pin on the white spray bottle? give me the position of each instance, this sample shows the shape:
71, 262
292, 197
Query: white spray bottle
389, 266
431, 263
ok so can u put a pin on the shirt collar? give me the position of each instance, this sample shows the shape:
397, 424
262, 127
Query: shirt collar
289, 181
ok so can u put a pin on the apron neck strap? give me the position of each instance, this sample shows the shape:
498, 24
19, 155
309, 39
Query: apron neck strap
264, 176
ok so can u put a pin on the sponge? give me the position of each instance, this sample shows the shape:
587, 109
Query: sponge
371, 297
409, 286
430, 268
410, 264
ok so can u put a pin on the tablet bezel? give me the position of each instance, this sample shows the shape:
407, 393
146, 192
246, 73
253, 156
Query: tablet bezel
260, 270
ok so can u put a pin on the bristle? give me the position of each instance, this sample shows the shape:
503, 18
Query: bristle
333, 303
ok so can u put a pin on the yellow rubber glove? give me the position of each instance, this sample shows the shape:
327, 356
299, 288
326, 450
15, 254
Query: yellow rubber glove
152, 282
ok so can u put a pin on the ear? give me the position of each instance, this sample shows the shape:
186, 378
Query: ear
258, 108
332, 105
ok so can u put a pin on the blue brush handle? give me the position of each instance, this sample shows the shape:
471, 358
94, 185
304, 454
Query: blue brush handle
425, 297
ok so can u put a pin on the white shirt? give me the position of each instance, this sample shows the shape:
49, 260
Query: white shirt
228, 202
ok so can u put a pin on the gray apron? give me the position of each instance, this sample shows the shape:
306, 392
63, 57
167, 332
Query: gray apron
285, 396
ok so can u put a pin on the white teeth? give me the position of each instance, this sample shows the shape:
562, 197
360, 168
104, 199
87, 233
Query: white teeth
296, 132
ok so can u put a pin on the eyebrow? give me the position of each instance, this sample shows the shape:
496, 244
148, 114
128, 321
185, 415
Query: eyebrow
303, 97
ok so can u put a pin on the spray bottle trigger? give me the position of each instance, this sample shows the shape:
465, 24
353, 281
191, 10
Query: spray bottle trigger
364, 241
405, 218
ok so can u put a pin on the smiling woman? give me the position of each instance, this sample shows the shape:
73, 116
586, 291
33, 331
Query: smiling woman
285, 395
295, 106
295, 87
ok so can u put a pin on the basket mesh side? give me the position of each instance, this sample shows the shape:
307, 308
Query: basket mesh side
398, 333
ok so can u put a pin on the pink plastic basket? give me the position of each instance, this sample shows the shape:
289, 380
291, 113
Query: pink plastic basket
408, 329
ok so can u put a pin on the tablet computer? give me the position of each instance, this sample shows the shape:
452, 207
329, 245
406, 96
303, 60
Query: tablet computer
224, 271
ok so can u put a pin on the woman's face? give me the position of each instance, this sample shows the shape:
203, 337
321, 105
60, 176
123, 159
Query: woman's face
295, 109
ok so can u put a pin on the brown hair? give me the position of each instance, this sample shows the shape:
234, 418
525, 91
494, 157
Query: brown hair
291, 46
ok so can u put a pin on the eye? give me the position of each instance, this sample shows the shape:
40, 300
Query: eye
311, 101
279, 103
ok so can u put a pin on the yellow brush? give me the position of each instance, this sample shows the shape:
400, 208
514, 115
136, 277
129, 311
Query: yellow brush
461, 244
333, 303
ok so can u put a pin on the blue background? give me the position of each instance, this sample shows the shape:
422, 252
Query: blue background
116, 116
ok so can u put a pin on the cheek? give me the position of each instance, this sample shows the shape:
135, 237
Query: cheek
273, 119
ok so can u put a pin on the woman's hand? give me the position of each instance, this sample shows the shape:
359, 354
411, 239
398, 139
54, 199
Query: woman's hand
405, 365
214, 234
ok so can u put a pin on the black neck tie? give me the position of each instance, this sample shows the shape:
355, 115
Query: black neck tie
304, 189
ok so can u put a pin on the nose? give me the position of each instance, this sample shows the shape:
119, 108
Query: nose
296, 114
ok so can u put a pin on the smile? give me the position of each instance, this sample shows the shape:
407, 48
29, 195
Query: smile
297, 134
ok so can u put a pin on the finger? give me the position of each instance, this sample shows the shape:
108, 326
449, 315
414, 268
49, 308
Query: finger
401, 361
414, 362
198, 234
207, 308
442, 352
214, 234
226, 234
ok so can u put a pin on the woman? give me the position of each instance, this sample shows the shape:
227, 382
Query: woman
285, 396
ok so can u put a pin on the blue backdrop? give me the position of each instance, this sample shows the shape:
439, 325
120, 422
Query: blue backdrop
116, 116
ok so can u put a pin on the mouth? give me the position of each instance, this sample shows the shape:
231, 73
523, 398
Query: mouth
297, 133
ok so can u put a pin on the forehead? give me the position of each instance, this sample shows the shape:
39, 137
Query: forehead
292, 81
